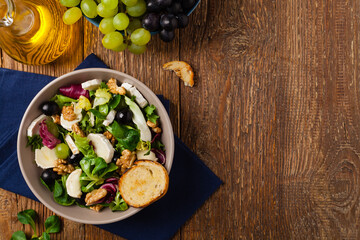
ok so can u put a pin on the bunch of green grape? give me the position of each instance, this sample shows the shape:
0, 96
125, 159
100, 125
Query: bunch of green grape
120, 22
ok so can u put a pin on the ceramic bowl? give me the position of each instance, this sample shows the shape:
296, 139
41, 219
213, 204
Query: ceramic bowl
31, 172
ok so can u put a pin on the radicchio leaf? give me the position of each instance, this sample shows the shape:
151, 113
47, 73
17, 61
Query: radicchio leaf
111, 192
112, 180
155, 137
74, 91
48, 139
160, 155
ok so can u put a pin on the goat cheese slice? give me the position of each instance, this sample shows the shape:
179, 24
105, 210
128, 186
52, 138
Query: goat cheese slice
91, 84
141, 155
45, 157
139, 98
70, 142
35, 125
102, 146
73, 186
109, 118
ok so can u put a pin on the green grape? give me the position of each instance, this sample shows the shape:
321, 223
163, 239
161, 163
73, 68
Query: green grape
140, 36
69, 3
136, 49
88, 7
134, 24
137, 10
106, 12
129, 3
72, 15
52, 128
121, 48
111, 4
106, 25
112, 40
62, 150
121, 21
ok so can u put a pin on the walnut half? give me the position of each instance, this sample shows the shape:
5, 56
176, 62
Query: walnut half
62, 167
126, 160
94, 196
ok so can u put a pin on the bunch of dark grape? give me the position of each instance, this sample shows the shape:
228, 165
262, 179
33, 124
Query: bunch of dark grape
167, 15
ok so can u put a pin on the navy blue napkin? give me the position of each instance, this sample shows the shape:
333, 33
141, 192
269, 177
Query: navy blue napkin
191, 182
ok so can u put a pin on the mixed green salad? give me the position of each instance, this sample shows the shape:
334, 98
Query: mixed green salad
88, 135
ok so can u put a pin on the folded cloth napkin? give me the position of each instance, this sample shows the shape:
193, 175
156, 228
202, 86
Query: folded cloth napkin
191, 182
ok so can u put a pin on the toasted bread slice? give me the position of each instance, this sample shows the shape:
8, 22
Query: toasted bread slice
183, 70
144, 183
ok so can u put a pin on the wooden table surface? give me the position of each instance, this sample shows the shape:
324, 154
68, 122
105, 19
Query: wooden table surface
274, 113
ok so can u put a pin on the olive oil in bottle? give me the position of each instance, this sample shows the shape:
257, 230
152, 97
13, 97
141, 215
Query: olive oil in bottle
32, 31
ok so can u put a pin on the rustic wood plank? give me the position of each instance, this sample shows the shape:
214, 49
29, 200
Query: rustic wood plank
228, 119
318, 121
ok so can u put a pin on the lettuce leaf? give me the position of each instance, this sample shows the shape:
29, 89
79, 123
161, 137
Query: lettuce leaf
35, 142
60, 193
139, 120
83, 144
62, 100
118, 204
102, 96
126, 136
95, 171
150, 113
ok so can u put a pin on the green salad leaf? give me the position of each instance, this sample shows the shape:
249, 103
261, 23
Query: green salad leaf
114, 101
52, 224
126, 136
18, 235
60, 194
139, 120
35, 142
150, 113
97, 114
62, 100
158, 145
83, 144
95, 171
102, 96
28, 217
118, 204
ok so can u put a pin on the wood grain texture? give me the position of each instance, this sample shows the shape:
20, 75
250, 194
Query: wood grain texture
274, 113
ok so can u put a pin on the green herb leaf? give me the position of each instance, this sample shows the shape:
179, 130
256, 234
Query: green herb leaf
52, 225
95, 170
114, 102
118, 204
83, 144
51, 187
35, 142
28, 217
150, 113
60, 194
18, 235
45, 236
104, 109
97, 114
62, 100
58, 190
103, 85
127, 137
157, 144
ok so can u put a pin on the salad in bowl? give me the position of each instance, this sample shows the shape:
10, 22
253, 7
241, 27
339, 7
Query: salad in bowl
98, 145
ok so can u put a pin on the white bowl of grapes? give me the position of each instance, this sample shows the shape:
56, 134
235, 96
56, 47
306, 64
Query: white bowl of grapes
129, 24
